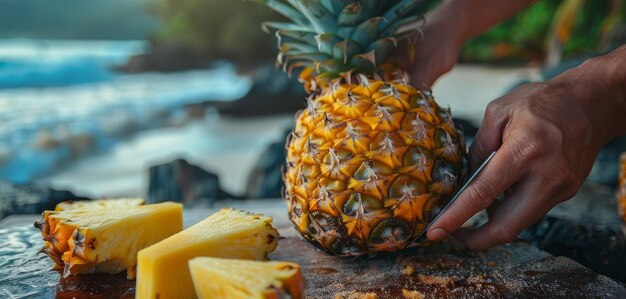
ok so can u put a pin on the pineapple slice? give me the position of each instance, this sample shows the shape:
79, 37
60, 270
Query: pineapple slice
229, 233
225, 278
106, 240
98, 204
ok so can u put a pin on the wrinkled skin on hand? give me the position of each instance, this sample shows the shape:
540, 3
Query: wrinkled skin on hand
547, 136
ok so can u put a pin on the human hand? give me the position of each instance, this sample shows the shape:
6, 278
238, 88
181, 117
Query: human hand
437, 51
446, 28
547, 136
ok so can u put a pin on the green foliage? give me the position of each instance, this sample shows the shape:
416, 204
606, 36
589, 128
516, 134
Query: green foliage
75, 19
523, 37
217, 29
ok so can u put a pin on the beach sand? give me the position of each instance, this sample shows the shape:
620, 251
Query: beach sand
229, 147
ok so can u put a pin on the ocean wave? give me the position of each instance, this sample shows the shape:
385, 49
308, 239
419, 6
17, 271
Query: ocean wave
69, 101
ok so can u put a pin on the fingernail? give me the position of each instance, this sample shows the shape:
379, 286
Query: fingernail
436, 234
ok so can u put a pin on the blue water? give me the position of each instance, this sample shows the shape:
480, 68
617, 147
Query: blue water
62, 99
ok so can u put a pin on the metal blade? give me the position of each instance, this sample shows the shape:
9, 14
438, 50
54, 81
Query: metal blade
458, 193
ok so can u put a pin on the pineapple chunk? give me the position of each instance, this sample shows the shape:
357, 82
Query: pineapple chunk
225, 278
98, 204
229, 233
106, 240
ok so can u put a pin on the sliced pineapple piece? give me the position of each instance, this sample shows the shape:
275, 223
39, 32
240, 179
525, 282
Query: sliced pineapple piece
229, 233
235, 279
106, 240
98, 204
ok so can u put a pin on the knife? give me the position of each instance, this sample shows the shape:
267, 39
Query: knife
458, 193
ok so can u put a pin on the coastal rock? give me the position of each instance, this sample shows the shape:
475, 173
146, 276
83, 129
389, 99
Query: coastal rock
272, 92
606, 166
599, 248
183, 182
30, 199
165, 57
586, 229
265, 180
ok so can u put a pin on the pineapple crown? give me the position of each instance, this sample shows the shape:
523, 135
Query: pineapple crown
331, 37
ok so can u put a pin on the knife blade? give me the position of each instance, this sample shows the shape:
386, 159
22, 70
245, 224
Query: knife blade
458, 193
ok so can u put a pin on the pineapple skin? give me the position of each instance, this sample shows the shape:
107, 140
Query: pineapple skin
621, 191
84, 241
368, 161
163, 270
242, 279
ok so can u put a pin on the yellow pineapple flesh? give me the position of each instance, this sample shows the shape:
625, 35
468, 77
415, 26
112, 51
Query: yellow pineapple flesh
98, 204
163, 271
243, 279
106, 240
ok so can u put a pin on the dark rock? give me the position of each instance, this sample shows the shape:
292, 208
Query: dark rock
165, 58
265, 180
599, 248
182, 182
30, 199
586, 229
468, 128
272, 92
606, 166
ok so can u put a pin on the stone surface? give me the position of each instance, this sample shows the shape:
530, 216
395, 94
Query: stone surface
445, 270
599, 248
272, 93
606, 166
586, 229
265, 180
30, 199
183, 182
164, 58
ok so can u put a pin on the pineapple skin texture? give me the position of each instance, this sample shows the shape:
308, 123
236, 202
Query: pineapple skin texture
367, 162
84, 241
621, 191
163, 270
241, 279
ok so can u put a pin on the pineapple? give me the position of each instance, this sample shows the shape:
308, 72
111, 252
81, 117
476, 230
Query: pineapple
621, 191
163, 271
371, 158
98, 204
106, 240
224, 278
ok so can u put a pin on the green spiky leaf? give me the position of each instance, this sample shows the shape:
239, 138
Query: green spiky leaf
351, 15
285, 27
366, 32
335, 36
